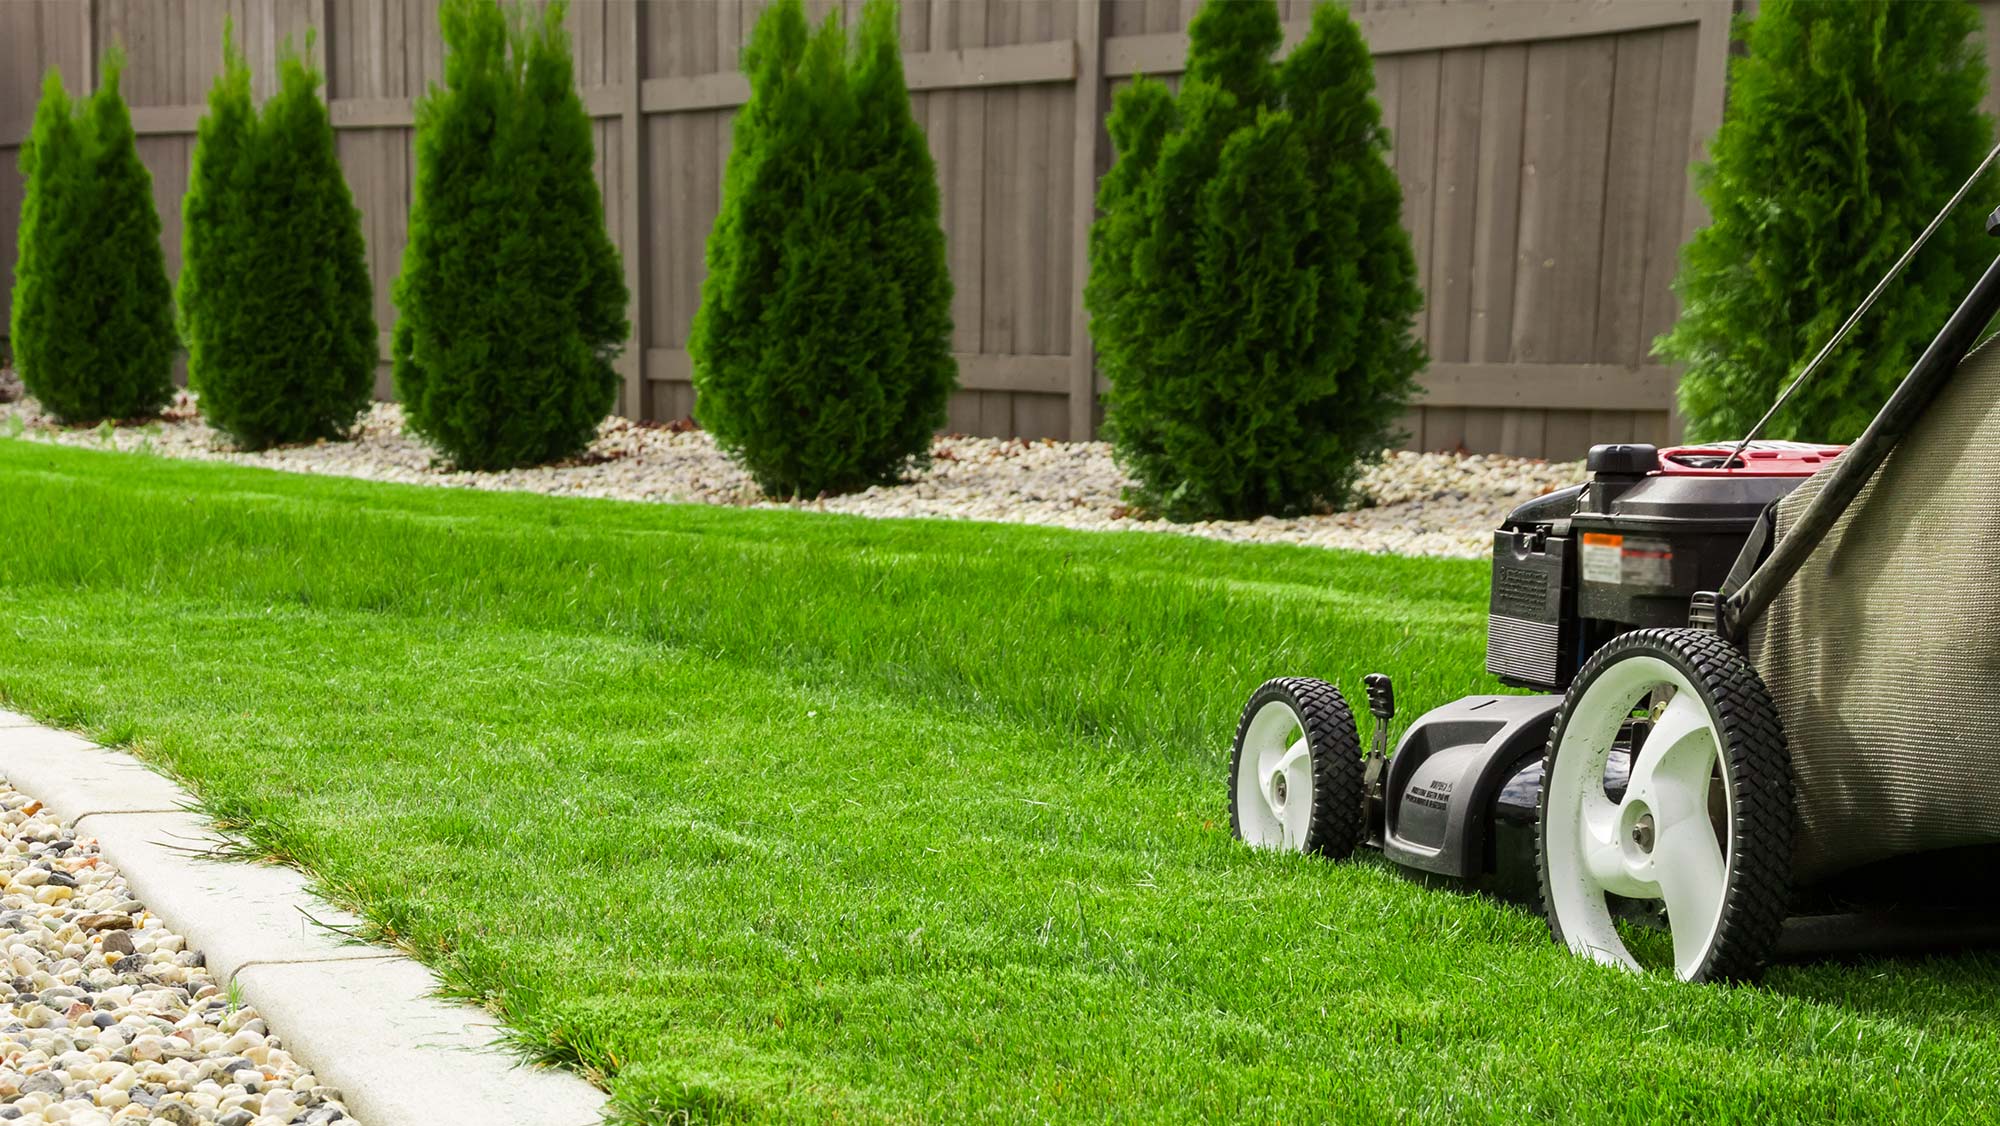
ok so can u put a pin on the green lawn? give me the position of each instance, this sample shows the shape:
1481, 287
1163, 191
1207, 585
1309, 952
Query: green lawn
781, 816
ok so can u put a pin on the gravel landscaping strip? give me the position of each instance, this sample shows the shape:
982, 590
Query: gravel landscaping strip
111, 1020
1413, 504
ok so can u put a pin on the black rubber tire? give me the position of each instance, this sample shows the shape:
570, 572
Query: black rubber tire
1758, 770
1337, 824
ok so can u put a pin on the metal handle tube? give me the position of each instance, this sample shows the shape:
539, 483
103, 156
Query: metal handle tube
1926, 378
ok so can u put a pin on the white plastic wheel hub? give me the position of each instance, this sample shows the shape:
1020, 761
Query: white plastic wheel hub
1659, 842
1274, 780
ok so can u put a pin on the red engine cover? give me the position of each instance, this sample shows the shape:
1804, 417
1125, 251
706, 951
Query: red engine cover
1761, 459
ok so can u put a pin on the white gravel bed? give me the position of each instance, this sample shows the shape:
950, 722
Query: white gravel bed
1413, 504
109, 1019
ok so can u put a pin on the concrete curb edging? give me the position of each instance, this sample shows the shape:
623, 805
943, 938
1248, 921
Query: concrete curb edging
364, 1017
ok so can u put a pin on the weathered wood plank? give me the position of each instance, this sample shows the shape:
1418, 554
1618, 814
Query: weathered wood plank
1631, 208
1711, 66
1496, 220
1089, 106
1002, 235
958, 124
1016, 65
1436, 27
1454, 202
163, 121
1037, 375
1545, 386
1522, 433
1416, 154
1540, 387
1673, 110
631, 195
1562, 199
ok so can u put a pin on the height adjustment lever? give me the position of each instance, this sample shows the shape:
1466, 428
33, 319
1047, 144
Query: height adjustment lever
1381, 705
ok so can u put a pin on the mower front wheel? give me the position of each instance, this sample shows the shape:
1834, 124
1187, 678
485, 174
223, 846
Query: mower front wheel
1295, 775
1668, 781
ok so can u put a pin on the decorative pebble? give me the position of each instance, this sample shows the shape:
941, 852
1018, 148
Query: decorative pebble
1409, 503
105, 922
111, 1021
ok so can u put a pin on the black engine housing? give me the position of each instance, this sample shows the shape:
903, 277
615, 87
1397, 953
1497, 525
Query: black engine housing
1626, 550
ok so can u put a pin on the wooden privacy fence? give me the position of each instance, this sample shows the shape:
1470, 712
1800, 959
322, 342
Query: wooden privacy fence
1543, 148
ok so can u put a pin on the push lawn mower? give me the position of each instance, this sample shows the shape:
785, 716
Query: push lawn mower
1764, 722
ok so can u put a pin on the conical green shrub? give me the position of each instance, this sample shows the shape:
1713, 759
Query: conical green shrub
275, 300
822, 349
92, 317
1252, 289
511, 301
1848, 126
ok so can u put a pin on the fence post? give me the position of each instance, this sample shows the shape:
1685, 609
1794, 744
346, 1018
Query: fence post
1090, 21
632, 210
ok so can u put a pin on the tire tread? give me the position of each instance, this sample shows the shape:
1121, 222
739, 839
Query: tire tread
1338, 823
1760, 764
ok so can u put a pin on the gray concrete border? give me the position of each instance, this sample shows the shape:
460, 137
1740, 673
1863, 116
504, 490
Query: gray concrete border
364, 1017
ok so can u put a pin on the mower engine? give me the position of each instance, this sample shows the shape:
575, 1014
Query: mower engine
1627, 550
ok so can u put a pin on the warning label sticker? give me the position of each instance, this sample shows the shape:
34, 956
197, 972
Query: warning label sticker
1647, 563
1601, 557
1627, 561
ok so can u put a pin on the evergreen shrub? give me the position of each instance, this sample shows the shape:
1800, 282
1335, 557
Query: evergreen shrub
1252, 289
822, 349
275, 300
92, 317
511, 301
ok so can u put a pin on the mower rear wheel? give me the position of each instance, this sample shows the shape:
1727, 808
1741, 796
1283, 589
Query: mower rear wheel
1295, 776
1703, 823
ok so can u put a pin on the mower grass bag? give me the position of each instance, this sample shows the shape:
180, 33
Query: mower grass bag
1882, 654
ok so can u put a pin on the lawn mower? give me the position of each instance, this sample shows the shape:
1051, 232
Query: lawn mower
1759, 720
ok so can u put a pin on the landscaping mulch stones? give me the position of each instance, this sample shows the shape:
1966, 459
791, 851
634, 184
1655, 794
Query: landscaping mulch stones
108, 1019
1412, 504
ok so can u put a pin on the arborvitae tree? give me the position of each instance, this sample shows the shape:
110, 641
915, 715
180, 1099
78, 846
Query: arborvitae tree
92, 317
1252, 289
1849, 124
822, 349
511, 301
275, 300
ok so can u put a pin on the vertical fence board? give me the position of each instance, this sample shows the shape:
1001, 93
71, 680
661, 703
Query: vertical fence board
958, 121
1673, 104
1000, 231
1086, 137
1630, 200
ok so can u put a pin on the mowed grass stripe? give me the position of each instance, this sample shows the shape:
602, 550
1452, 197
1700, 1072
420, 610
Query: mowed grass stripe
776, 816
